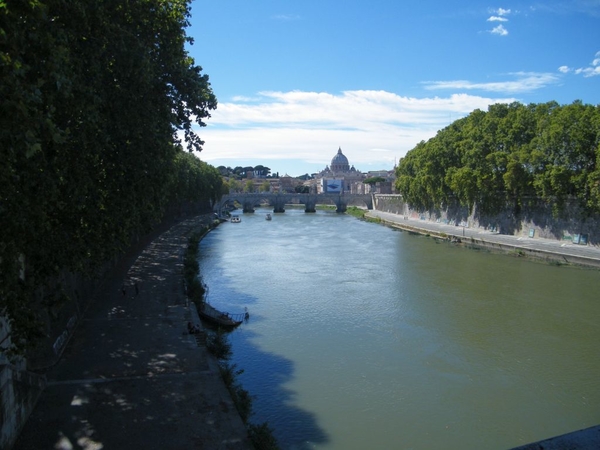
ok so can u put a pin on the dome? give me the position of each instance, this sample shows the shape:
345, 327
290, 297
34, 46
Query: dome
340, 162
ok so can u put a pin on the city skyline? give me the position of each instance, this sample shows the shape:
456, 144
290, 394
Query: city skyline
297, 80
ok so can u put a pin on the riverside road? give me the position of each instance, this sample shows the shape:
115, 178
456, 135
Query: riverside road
566, 251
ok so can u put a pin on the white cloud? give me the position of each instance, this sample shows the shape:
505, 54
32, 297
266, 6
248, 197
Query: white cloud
594, 68
588, 71
591, 71
374, 128
525, 82
564, 69
499, 30
498, 16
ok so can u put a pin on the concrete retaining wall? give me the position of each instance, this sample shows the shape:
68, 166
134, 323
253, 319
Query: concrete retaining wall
20, 391
535, 219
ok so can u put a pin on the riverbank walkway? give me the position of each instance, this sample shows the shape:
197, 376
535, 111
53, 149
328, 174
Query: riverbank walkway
549, 249
132, 376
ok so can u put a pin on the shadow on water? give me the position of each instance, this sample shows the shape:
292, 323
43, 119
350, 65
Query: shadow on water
293, 427
265, 376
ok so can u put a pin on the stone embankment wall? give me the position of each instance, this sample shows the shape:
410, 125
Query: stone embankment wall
19, 391
534, 220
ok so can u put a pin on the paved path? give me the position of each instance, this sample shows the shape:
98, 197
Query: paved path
132, 377
541, 248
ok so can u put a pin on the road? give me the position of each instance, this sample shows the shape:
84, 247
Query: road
566, 251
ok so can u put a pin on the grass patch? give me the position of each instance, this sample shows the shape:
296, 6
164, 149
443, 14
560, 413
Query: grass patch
356, 212
556, 262
326, 207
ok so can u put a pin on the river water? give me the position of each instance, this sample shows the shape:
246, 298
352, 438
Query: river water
361, 336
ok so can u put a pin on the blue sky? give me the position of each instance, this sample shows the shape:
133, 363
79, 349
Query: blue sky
295, 80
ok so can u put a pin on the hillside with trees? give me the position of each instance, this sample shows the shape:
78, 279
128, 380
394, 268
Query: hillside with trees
100, 101
497, 158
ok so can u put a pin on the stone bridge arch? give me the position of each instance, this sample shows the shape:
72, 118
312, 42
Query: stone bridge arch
278, 201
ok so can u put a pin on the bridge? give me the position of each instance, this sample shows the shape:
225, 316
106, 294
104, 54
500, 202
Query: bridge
278, 201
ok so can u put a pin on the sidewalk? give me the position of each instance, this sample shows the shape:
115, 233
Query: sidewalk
548, 249
132, 376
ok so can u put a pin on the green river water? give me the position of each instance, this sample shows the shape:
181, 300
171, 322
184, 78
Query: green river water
362, 337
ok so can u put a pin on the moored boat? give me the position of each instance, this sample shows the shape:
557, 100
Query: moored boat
220, 318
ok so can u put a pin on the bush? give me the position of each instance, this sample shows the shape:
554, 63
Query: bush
261, 437
356, 212
217, 344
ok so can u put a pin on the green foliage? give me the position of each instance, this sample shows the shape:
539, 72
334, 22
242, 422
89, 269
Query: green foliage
265, 186
194, 180
234, 185
94, 98
242, 172
501, 156
374, 180
261, 437
219, 346
356, 212
241, 397
195, 289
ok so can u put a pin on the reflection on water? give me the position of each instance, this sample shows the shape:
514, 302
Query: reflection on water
365, 337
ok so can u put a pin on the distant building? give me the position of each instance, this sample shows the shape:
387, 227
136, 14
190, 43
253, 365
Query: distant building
339, 176
388, 186
287, 183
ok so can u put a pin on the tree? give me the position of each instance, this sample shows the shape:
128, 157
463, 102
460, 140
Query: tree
234, 185
262, 171
511, 151
94, 96
373, 180
239, 172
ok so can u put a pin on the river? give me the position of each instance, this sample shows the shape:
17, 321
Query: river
361, 336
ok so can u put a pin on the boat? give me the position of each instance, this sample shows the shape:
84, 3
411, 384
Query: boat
219, 318
268, 217
235, 219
